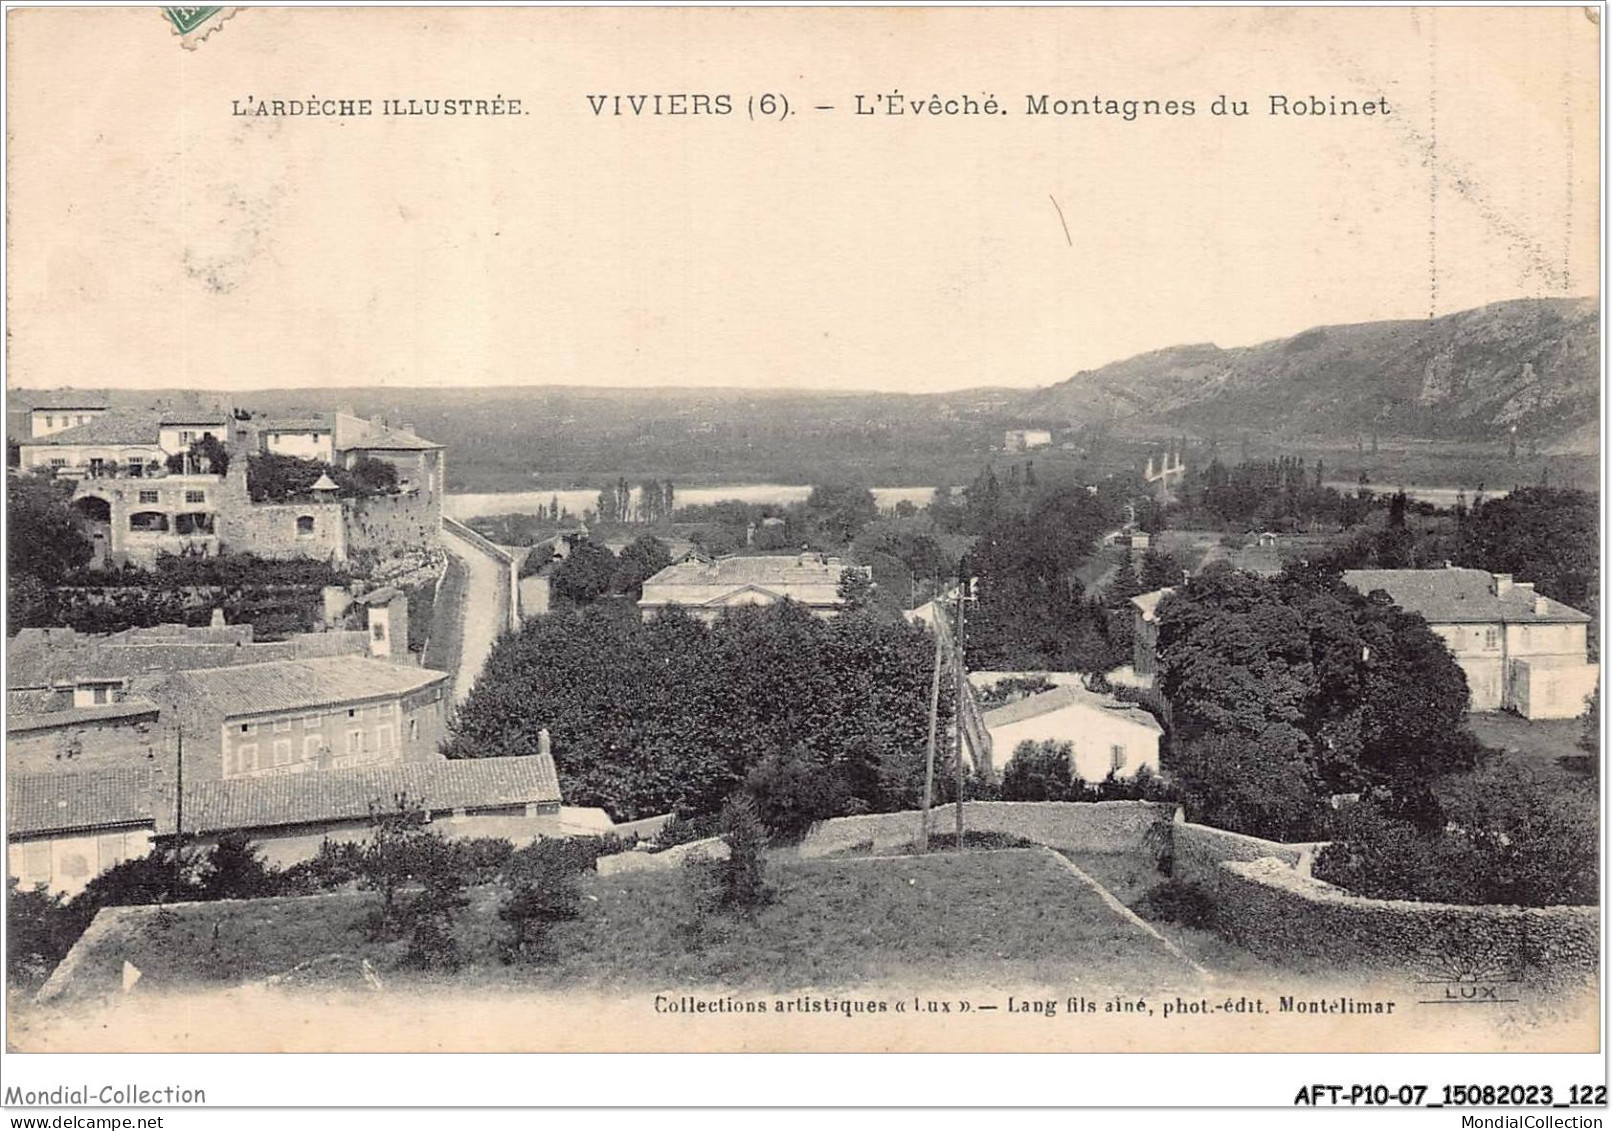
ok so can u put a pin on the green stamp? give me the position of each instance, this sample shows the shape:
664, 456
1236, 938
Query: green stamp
187, 20
192, 25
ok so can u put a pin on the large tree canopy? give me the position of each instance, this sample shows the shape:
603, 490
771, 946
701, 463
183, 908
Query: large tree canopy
45, 539
1296, 688
673, 714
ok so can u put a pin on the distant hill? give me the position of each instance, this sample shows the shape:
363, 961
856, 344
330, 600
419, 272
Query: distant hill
1472, 375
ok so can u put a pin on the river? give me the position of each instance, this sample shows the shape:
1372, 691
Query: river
468, 506
1438, 496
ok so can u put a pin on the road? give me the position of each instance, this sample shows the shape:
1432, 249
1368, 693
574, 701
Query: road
486, 609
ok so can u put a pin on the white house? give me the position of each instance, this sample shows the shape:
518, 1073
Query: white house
1109, 736
1521, 651
706, 586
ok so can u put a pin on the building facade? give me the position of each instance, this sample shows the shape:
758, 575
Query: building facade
1107, 735
706, 586
1521, 651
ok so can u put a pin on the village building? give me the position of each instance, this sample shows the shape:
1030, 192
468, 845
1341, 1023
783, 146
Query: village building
298, 716
1521, 651
78, 701
1108, 735
706, 586
64, 410
1026, 439
142, 494
65, 829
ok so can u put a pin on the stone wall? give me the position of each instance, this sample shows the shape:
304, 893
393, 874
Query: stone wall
712, 848
388, 524
1201, 849
272, 530
1084, 826
1277, 913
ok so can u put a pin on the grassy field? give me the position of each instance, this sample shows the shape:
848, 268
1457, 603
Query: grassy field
998, 918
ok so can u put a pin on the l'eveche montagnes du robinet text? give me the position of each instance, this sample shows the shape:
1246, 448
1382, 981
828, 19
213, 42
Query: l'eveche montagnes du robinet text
776, 105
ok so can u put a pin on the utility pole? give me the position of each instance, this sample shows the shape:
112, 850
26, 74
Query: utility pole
957, 707
179, 799
934, 723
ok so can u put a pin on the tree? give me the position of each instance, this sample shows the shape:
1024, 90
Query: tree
234, 869
392, 856
45, 538
840, 510
793, 791
543, 891
586, 574
742, 877
369, 476
856, 590
205, 456
641, 559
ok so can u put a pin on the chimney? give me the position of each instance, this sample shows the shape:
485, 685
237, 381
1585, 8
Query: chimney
218, 620
544, 747
1501, 584
1541, 606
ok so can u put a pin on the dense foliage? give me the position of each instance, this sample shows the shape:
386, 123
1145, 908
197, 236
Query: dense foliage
273, 478
45, 539
673, 714
1505, 837
1044, 771
1286, 691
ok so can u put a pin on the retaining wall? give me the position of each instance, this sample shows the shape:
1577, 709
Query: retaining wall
1201, 849
1277, 913
1080, 826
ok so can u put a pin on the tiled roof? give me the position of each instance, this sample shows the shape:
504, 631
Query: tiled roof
67, 398
315, 796
34, 710
42, 658
117, 427
290, 685
193, 410
808, 578
184, 634
1059, 698
299, 424
1462, 596
67, 802
378, 437
57, 802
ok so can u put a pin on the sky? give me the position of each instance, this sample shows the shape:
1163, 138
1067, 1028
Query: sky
159, 240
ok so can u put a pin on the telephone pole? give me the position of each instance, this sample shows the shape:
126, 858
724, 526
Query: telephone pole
957, 707
934, 722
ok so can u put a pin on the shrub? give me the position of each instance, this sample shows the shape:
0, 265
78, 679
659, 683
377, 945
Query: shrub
543, 889
1176, 902
794, 791
431, 914
1507, 838
685, 830
742, 876
234, 870
40, 930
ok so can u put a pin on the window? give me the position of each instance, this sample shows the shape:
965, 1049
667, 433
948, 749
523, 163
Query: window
148, 496
414, 730
248, 728
187, 437
195, 496
36, 862
311, 721
246, 759
58, 461
50, 421
385, 737
378, 630
352, 712
148, 522
282, 725
1116, 757
312, 747
1491, 639
305, 526
282, 752
355, 742
101, 695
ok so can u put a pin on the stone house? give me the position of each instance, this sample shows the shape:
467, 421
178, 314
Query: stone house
298, 716
706, 586
1521, 651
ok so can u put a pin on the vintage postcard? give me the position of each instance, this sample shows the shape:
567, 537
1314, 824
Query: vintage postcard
805, 530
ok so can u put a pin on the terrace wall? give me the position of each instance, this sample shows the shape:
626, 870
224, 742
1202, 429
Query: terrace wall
389, 524
1080, 826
